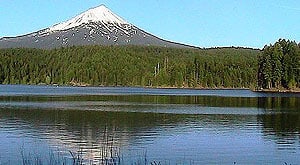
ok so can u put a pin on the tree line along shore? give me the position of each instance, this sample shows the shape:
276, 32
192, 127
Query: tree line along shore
275, 67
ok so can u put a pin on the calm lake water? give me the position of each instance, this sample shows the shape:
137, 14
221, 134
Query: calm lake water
138, 125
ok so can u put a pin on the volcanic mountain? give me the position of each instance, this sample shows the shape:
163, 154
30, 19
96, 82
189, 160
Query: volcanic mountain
96, 26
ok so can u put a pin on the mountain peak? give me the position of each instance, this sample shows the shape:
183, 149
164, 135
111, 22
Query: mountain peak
96, 26
98, 14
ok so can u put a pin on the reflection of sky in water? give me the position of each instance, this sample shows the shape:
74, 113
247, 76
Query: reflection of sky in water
13, 90
14, 143
213, 148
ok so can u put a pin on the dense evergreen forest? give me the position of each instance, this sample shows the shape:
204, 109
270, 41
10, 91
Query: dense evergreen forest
279, 66
131, 66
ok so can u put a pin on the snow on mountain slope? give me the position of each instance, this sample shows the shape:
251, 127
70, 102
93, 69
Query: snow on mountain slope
98, 14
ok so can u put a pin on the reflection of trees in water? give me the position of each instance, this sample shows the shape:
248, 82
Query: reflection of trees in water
283, 122
283, 128
209, 101
279, 103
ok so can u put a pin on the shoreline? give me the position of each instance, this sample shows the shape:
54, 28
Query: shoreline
297, 90
253, 90
197, 88
278, 90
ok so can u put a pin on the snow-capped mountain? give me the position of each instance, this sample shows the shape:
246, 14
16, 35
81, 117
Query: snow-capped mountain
96, 26
98, 14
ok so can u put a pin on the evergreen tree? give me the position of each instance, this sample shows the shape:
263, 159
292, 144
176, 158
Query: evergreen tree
276, 58
279, 65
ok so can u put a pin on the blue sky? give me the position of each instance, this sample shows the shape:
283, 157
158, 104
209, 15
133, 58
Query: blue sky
204, 23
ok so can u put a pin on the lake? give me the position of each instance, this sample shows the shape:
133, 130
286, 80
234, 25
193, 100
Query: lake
53, 125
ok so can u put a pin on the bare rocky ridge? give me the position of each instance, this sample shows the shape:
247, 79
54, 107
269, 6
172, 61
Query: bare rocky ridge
96, 26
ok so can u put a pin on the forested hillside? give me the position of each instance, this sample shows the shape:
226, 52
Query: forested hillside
131, 66
279, 66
